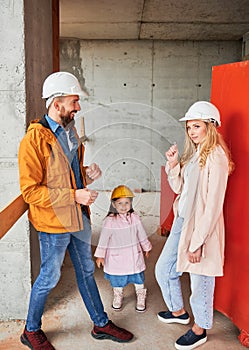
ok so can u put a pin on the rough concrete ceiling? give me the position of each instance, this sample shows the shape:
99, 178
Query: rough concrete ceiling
154, 19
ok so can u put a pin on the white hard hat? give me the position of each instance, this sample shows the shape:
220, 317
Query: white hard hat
203, 110
61, 84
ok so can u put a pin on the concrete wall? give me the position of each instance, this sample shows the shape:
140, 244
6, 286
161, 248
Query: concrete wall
25, 59
14, 247
245, 49
138, 90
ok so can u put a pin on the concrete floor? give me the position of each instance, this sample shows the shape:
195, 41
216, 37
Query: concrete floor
67, 323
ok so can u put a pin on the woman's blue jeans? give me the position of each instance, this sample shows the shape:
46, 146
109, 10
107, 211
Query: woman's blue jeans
202, 287
53, 249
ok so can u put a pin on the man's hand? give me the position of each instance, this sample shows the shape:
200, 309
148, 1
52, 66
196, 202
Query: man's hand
93, 171
85, 196
100, 262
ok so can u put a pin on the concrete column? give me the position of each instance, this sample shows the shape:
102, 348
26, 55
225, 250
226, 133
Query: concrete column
26, 58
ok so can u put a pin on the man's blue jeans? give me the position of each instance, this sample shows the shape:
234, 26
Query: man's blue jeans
202, 287
53, 249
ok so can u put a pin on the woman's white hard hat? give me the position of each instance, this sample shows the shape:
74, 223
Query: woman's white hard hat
203, 110
60, 84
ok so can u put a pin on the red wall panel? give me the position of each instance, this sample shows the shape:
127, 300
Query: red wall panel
166, 202
230, 93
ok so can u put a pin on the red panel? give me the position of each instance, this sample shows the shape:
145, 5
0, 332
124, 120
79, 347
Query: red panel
230, 93
166, 202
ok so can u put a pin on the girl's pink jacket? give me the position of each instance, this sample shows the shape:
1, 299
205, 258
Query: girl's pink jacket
122, 242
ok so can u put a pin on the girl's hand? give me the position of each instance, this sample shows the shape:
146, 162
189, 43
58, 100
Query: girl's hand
172, 156
195, 257
147, 254
100, 262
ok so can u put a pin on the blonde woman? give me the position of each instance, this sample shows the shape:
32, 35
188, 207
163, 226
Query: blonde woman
196, 241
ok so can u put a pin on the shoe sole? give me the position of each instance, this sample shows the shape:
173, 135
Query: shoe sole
110, 337
141, 311
25, 342
117, 308
173, 320
190, 347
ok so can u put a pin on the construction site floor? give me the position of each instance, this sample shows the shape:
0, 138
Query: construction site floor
68, 326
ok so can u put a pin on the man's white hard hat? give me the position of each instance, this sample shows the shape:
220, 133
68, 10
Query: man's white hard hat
61, 84
203, 110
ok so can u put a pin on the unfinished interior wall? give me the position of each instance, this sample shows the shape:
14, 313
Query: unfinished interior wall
26, 58
137, 92
14, 248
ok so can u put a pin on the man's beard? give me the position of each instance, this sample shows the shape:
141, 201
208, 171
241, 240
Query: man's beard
66, 121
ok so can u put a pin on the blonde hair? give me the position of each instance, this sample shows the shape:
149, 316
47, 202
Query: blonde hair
212, 139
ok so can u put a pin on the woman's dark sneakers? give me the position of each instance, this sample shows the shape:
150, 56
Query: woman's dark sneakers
168, 317
190, 340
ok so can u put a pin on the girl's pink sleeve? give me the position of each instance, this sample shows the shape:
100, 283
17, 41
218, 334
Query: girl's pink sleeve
142, 236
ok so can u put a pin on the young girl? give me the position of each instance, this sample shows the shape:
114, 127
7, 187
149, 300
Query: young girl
120, 248
196, 240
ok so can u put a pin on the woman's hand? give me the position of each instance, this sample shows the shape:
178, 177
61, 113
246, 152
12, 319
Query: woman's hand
100, 262
195, 257
172, 156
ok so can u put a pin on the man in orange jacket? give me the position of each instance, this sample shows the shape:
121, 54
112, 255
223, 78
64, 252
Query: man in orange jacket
54, 183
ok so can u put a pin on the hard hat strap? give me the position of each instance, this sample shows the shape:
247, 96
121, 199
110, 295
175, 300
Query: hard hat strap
50, 99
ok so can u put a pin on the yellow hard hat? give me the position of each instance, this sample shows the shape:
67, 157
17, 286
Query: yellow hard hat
122, 191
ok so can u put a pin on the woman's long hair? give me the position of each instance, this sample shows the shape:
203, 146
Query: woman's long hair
211, 140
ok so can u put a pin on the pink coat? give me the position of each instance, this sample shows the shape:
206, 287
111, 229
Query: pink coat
122, 242
203, 222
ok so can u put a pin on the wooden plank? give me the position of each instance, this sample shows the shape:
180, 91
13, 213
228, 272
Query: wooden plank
11, 213
56, 35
